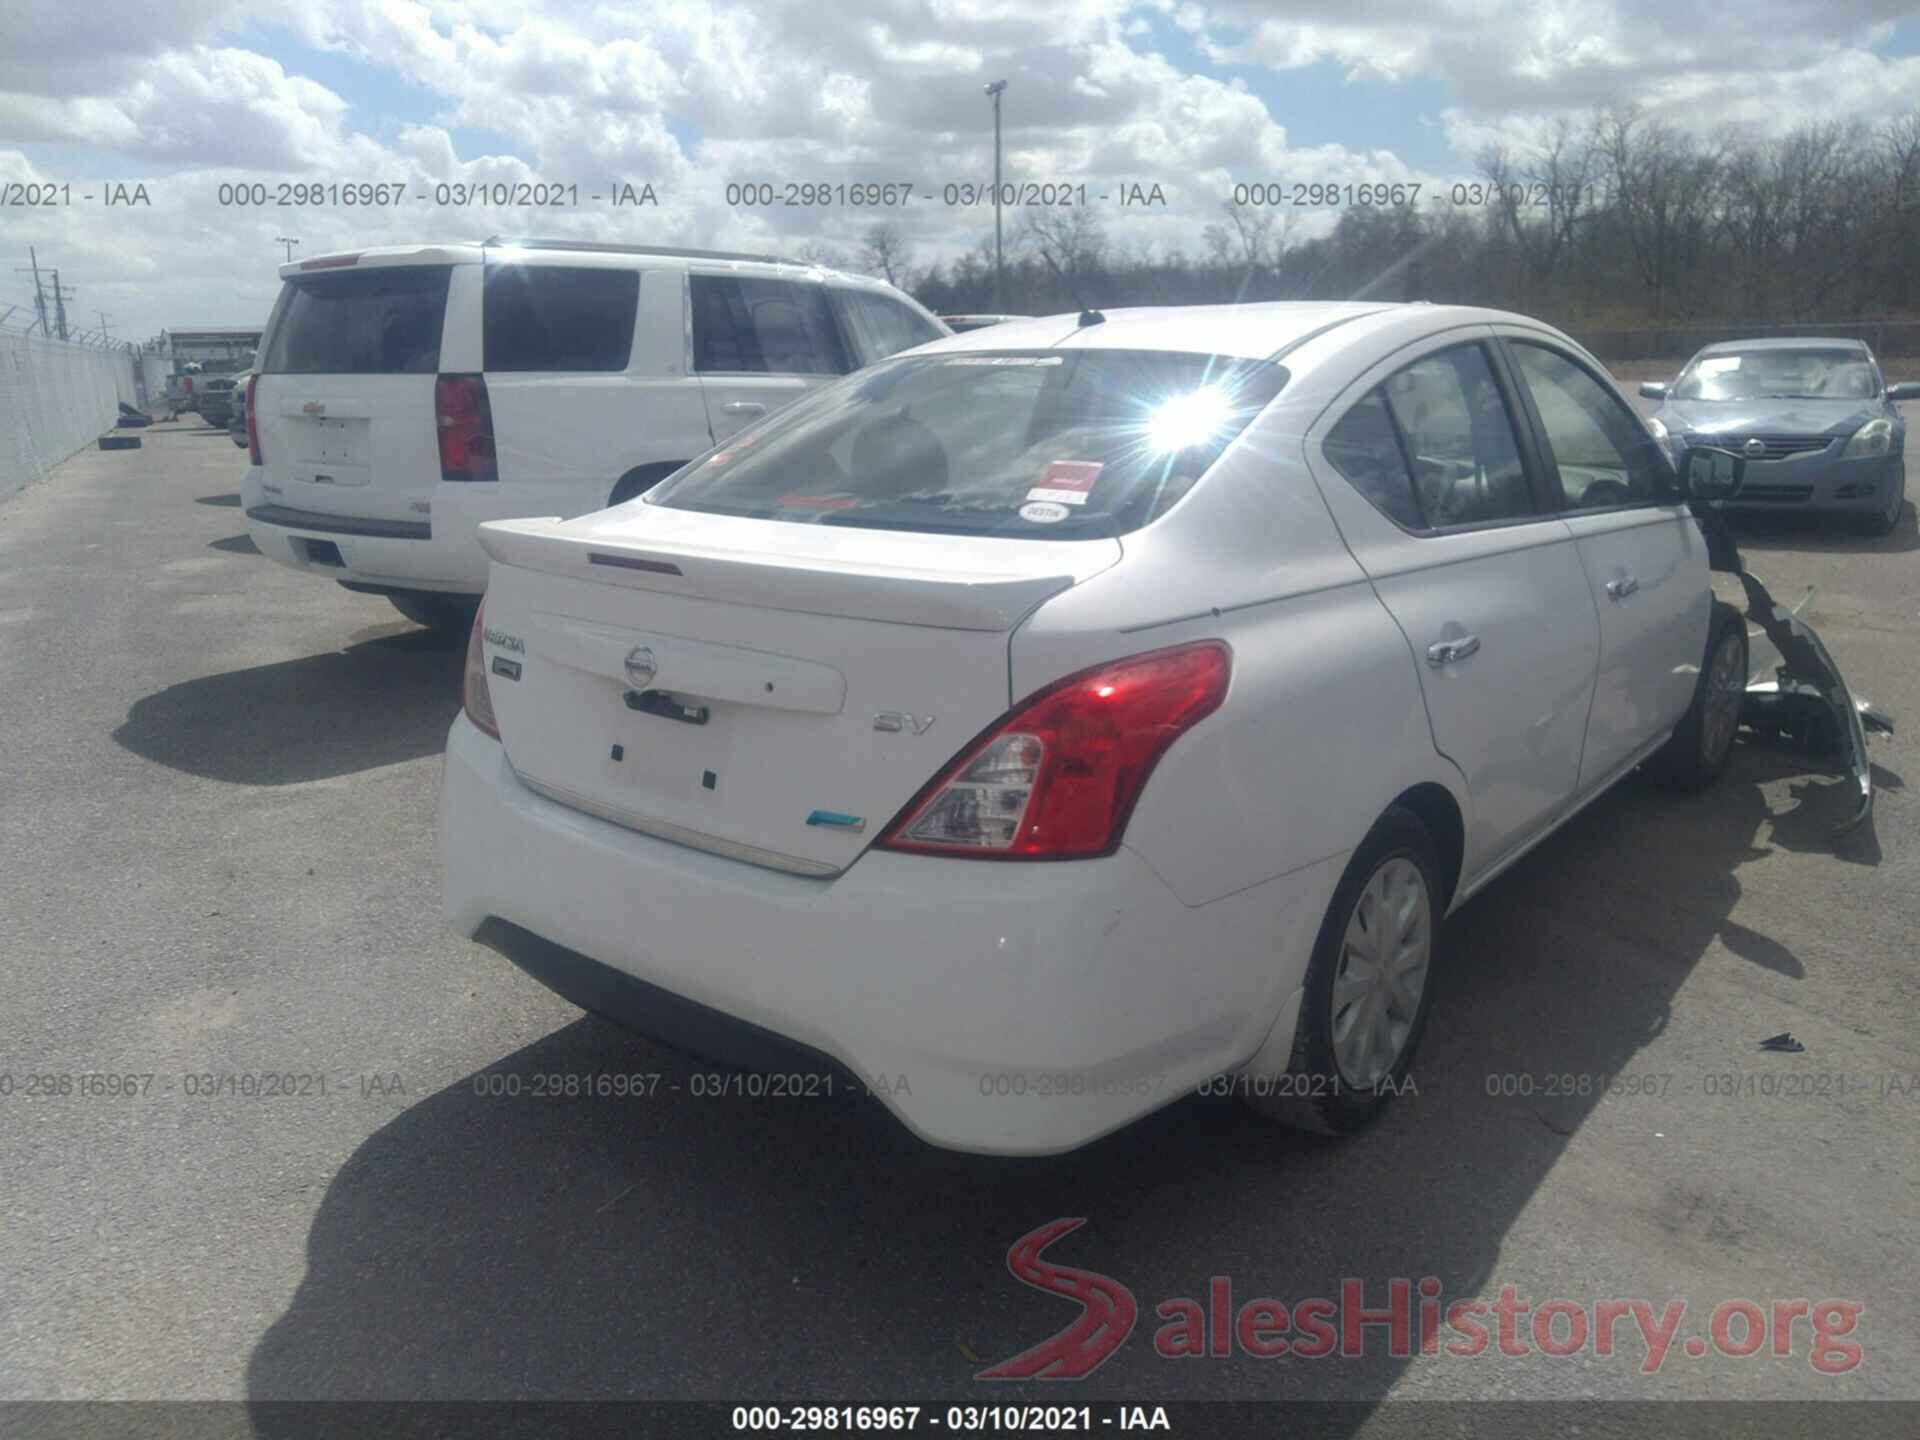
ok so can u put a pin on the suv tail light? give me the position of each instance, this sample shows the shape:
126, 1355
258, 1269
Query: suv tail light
253, 426
464, 418
475, 698
1058, 777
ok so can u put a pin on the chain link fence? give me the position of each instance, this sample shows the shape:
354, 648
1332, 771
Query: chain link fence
1888, 338
55, 398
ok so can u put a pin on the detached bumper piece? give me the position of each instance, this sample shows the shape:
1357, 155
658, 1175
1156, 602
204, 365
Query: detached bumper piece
1796, 693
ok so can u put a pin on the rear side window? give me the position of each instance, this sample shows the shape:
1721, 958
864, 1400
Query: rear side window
1364, 449
552, 317
383, 321
1460, 439
1035, 444
883, 326
743, 324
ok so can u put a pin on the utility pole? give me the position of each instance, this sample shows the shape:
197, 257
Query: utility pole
103, 326
289, 241
994, 92
39, 299
60, 298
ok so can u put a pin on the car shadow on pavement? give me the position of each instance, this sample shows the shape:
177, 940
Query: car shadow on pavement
377, 702
235, 545
1820, 534
485, 1246
230, 502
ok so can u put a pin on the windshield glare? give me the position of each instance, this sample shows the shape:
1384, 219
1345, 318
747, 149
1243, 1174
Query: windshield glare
1034, 444
1811, 374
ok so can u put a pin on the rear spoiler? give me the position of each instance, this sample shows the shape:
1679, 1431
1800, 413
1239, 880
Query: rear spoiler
947, 599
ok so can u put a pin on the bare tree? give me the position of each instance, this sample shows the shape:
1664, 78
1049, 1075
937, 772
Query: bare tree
1072, 244
884, 252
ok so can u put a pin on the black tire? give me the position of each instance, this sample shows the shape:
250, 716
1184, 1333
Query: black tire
1885, 522
449, 617
1315, 1093
1696, 755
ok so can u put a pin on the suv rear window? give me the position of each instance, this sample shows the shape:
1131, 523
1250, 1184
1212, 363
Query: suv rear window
1043, 445
748, 325
552, 317
383, 321
883, 326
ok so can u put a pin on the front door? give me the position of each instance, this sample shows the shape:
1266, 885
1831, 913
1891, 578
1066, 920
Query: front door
1643, 557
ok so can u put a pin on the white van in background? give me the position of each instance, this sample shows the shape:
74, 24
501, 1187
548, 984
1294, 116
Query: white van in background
405, 394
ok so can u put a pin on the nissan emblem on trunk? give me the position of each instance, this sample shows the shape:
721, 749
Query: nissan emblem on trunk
641, 667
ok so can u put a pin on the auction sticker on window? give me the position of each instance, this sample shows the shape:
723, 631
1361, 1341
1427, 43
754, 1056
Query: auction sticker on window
1044, 512
1067, 482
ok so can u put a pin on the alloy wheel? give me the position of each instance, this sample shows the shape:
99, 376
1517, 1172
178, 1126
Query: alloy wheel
1382, 972
1726, 687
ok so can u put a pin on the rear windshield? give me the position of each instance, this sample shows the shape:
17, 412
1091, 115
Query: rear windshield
384, 321
1037, 444
1778, 373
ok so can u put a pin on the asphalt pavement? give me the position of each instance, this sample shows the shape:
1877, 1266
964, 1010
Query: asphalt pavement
217, 870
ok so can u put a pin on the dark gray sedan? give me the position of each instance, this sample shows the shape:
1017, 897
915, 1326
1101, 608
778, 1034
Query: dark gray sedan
1817, 424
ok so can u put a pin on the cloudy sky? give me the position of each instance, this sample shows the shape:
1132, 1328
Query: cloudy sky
183, 96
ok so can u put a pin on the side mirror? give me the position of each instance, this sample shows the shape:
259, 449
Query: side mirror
1909, 391
1713, 474
1653, 391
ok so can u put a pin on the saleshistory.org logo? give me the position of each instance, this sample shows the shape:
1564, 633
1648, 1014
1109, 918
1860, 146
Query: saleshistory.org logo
1312, 1329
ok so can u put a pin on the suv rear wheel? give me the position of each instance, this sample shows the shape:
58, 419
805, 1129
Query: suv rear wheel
450, 617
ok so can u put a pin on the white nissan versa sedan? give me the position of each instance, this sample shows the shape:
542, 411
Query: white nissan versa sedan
1056, 716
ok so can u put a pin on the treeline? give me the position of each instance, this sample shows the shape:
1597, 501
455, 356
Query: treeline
1614, 221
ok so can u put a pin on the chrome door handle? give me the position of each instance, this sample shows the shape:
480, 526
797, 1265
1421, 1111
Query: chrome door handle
1445, 652
1621, 588
743, 407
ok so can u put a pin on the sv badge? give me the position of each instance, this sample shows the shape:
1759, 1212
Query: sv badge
895, 721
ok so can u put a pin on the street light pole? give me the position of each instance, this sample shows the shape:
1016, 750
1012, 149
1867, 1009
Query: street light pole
995, 91
289, 241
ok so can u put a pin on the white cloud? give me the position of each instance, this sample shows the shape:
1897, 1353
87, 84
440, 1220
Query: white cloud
689, 94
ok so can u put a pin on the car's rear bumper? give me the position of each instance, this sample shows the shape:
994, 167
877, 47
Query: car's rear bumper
1005, 1008
438, 551
1820, 483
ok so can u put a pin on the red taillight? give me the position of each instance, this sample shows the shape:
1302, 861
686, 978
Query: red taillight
330, 262
1058, 777
253, 424
465, 421
475, 697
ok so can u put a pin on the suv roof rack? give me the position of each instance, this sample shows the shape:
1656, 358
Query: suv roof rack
534, 243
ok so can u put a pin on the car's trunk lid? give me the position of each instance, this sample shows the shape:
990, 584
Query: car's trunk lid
770, 691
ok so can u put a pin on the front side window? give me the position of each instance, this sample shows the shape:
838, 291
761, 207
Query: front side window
1459, 438
552, 317
748, 325
385, 320
1603, 454
882, 326
1038, 445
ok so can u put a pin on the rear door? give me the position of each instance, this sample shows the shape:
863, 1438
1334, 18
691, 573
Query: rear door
760, 343
345, 407
1643, 557
1432, 490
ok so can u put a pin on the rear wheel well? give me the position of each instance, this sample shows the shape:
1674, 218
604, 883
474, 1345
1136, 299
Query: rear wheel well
641, 479
1441, 816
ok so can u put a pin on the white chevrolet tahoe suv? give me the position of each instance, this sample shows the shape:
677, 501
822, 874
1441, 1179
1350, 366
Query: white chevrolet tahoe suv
406, 394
